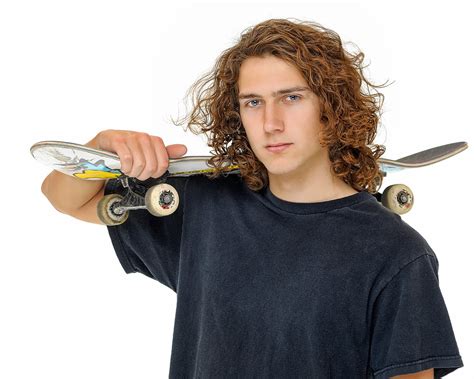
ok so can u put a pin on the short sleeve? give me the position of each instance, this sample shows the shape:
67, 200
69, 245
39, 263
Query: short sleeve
148, 244
411, 328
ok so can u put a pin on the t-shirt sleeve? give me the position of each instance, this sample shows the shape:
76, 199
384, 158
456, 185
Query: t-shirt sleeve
148, 244
411, 326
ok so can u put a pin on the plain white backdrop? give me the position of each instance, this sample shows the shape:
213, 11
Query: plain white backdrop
69, 69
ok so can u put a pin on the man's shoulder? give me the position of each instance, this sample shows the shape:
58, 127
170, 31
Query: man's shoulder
400, 244
385, 223
221, 192
229, 181
388, 236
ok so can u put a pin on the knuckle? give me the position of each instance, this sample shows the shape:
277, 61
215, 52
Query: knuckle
140, 165
119, 138
143, 137
152, 168
126, 158
116, 142
147, 170
158, 141
163, 166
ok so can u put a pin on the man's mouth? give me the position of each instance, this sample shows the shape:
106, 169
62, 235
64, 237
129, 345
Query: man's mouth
276, 148
278, 144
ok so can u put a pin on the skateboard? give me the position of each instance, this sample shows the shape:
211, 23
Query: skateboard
399, 197
162, 199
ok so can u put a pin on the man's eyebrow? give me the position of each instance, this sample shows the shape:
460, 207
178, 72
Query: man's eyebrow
274, 94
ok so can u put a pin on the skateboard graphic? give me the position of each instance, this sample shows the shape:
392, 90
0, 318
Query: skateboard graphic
162, 199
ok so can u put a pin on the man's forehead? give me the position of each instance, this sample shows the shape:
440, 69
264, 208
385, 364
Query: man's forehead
268, 67
269, 76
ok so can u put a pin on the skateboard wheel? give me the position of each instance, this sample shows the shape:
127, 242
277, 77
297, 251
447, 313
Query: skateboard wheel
161, 200
398, 198
106, 210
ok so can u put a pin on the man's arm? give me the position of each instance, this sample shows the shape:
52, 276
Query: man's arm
425, 374
73, 196
141, 156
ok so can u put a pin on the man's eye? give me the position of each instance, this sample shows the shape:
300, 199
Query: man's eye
252, 103
294, 97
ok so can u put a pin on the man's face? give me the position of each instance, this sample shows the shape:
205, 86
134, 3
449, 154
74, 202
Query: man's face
277, 106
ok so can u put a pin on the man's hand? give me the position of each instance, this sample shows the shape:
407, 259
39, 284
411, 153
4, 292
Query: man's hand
141, 155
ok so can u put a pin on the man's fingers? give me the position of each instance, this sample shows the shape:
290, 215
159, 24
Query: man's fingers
151, 160
137, 155
141, 155
161, 157
176, 150
126, 157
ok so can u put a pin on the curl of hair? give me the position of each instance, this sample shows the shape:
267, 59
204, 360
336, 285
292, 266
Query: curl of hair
349, 114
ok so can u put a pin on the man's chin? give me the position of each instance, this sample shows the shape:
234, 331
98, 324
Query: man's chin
279, 165
279, 169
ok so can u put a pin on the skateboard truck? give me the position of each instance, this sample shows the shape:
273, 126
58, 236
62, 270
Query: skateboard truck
154, 195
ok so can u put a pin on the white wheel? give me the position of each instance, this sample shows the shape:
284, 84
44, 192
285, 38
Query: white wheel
161, 200
398, 198
107, 213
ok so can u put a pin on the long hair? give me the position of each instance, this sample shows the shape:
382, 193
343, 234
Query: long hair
349, 115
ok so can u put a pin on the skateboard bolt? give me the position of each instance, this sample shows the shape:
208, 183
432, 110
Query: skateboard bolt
402, 198
116, 209
166, 198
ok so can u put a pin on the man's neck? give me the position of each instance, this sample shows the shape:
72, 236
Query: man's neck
316, 185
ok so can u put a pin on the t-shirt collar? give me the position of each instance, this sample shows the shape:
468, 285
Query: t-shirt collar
316, 207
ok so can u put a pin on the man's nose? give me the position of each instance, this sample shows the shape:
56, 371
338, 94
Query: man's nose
272, 118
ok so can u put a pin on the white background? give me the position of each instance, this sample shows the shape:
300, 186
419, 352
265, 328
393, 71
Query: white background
69, 69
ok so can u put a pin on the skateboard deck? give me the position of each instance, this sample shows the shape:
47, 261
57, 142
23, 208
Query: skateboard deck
162, 199
88, 163
93, 164
422, 158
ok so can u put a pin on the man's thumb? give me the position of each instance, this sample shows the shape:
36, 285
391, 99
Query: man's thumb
176, 150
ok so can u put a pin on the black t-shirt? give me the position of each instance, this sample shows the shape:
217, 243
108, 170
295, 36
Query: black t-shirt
268, 288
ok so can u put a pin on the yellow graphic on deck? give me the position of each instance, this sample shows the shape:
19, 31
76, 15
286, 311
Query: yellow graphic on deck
97, 174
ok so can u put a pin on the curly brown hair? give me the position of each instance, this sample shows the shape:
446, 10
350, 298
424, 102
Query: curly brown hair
348, 114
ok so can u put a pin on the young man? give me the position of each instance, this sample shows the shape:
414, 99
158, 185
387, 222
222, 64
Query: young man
292, 269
